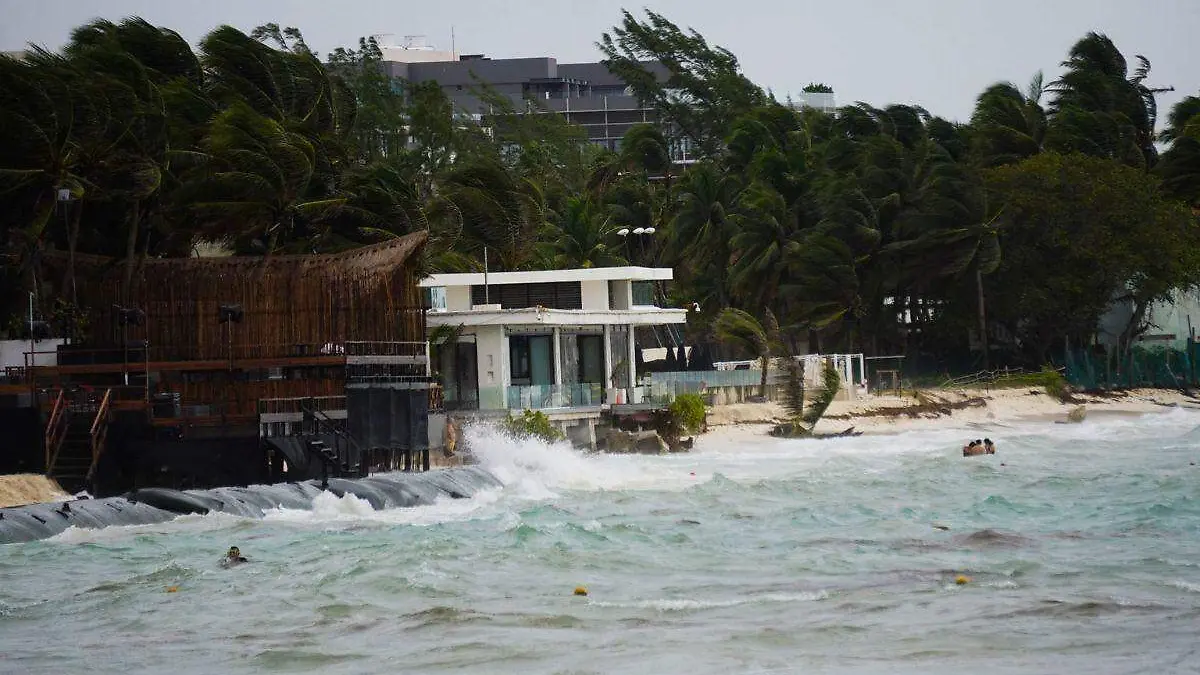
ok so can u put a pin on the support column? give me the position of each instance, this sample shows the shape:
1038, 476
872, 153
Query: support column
558, 376
632, 362
559, 397
607, 384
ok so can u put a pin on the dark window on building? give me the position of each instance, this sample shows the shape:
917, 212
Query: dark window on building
643, 293
519, 363
553, 295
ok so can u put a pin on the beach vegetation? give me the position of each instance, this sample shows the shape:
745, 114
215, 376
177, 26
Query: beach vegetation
687, 413
533, 424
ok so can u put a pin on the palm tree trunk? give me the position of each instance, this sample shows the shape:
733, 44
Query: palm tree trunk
762, 385
131, 252
72, 246
983, 335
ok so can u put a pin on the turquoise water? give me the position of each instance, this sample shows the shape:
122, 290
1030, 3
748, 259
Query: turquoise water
765, 556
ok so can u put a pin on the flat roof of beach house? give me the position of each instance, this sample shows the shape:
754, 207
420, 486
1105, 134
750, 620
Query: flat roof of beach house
571, 297
550, 276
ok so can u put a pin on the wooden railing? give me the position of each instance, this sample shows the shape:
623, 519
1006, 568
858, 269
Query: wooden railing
56, 429
99, 432
300, 404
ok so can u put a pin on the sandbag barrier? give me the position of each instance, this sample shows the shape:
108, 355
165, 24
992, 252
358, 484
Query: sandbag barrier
158, 505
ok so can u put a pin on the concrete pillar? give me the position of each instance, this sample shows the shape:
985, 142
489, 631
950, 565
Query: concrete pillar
557, 358
607, 384
632, 362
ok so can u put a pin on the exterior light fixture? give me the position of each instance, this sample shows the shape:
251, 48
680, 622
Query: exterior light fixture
639, 230
227, 313
624, 231
649, 230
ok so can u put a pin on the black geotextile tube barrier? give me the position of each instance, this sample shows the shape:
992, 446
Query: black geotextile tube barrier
157, 505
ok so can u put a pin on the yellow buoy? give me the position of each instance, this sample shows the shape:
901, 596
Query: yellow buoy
172, 589
580, 590
962, 579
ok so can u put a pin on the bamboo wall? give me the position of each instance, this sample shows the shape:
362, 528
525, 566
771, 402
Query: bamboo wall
293, 305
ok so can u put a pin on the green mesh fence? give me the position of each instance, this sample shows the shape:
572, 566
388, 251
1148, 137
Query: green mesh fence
1154, 367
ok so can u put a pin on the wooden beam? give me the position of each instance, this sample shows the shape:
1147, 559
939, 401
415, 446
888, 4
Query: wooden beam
190, 366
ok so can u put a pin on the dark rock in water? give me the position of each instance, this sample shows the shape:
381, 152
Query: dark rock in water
176, 501
157, 505
989, 538
634, 442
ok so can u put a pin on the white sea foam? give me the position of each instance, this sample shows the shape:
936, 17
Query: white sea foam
191, 523
690, 604
330, 509
1186, 586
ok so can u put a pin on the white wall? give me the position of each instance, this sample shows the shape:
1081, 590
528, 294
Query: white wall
622, 294
458, 298
12, 352
595, 294
491, 346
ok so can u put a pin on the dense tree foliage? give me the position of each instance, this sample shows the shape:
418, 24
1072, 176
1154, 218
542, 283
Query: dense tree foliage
880, 229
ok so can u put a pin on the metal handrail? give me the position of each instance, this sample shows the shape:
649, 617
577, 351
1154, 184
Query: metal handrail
238, 350
988, 376
56, 428
99, 432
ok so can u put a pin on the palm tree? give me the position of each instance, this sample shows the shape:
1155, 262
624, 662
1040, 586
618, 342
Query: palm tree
1009, 125
584, 237
701, 229
1101, 109
259, 195
766, 233
46, 116
1180, 164
500, 210
740, 329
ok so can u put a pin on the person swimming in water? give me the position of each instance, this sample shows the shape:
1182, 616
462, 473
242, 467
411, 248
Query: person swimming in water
233, 557
975, 448
989, 447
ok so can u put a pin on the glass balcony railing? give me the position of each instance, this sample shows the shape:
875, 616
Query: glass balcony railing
541, 397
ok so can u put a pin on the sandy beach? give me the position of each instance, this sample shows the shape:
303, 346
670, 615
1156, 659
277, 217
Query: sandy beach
892, 414
28, 488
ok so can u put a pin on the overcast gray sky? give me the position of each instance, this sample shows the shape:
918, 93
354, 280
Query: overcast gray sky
936, 53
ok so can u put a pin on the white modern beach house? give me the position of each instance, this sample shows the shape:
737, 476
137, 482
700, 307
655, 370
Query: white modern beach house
556, 340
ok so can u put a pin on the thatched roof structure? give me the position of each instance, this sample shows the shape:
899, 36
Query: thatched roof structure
374, 259
369, 293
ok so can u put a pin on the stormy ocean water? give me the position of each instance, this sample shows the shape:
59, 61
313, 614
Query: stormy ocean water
1081, 544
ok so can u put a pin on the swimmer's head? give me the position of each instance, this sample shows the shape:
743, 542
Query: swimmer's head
234, 552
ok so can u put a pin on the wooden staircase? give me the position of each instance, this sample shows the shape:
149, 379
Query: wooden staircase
76, 433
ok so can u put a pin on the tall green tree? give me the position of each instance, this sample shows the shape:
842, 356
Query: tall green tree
696, 88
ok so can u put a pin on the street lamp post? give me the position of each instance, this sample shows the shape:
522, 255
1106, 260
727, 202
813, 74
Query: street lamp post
638, 232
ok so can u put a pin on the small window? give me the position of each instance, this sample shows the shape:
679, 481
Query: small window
643, 293
435, 298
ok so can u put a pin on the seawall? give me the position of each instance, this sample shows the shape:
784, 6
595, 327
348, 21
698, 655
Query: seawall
157, 505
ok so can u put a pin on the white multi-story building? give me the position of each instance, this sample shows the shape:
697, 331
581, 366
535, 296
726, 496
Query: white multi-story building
546, 340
